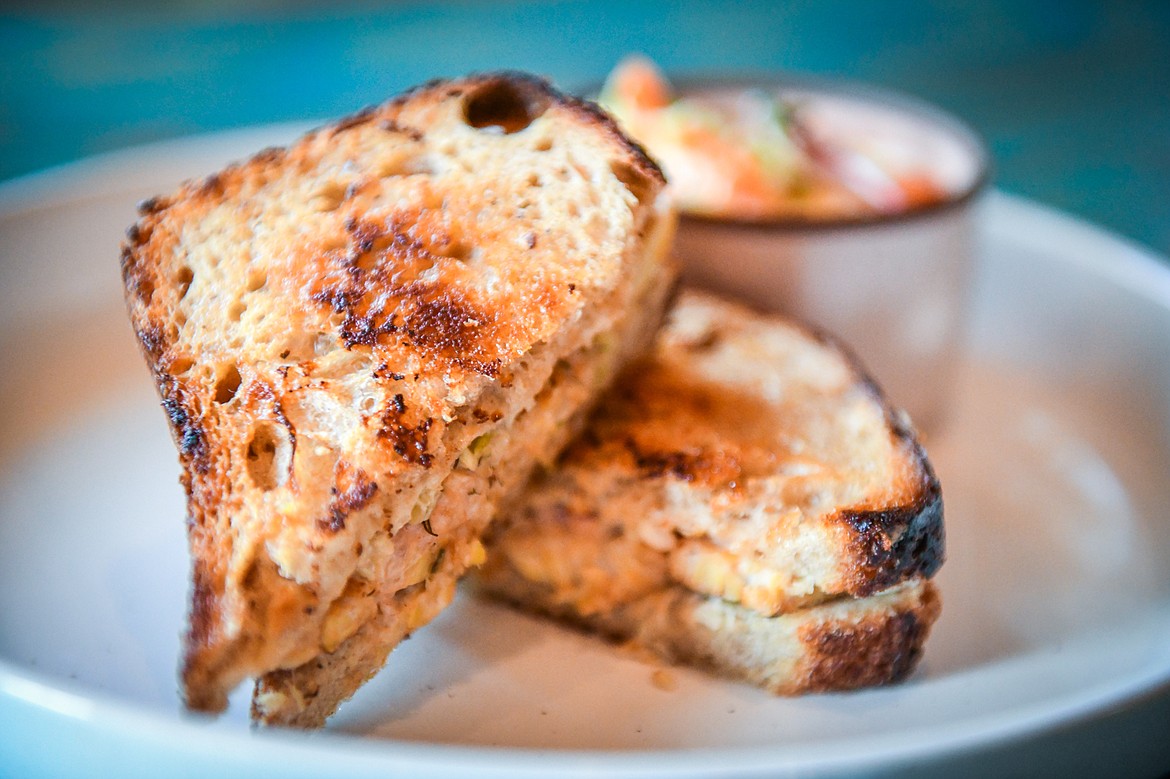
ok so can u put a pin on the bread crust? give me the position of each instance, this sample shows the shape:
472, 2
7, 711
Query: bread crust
330, 325
839, 646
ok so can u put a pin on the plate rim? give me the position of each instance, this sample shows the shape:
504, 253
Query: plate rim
355, 753
1132, 266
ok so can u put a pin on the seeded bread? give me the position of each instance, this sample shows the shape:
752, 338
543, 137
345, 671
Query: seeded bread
743, 499
363, 343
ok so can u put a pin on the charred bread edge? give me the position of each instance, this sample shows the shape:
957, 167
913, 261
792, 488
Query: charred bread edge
876, 650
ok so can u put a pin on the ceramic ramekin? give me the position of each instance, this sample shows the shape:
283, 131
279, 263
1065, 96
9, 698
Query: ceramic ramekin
892, 287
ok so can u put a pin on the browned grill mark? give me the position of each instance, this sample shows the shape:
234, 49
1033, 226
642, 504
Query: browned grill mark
727, 438
154, 340
211, 186
352, 490
892, 545
875, 650
688, 465
270, 155
137, 280
151, 205
393, 126
445, 323
355, 119
374, 285
480, 415
185, 425
409, 441
383, 372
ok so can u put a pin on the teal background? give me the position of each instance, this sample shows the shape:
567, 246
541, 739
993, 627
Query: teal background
1073, 97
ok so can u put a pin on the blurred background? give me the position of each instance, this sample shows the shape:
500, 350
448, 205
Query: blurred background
1073, 97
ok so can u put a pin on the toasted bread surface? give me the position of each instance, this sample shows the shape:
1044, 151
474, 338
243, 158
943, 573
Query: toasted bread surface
303, 696
337, 328
747, 467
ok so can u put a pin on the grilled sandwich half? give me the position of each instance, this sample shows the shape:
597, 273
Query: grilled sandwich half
744, 500
363, 343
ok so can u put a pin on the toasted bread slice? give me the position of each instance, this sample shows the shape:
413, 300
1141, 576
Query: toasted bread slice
840, 645
363, 343
747, 478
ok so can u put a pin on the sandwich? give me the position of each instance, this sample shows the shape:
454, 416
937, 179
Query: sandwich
745, 500
364, 343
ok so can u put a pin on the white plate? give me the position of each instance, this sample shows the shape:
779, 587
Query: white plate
1057, 591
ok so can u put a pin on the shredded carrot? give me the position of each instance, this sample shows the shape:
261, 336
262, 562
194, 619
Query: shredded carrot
921, 190
759, 163
638, 83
